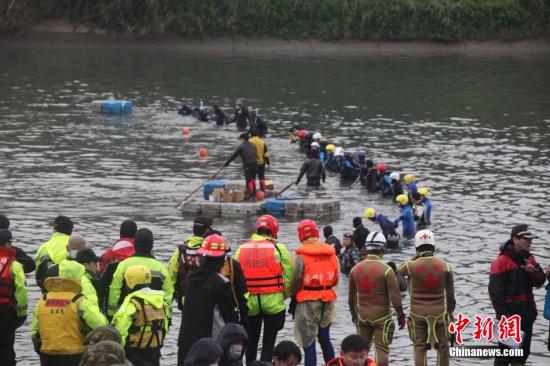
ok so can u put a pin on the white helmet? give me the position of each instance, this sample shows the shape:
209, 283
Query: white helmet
315, 144
375, 240
339, 151
317, 136
424, 237
394, 175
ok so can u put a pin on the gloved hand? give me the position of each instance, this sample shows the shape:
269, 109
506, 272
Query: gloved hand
292, 306
37, 343
20, 321
402, 320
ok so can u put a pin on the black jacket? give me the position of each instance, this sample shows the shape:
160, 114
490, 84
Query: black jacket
221, 118
231, 333
242, 117
313, 169
24, 259
359, 238
208, 298
510, 286
247, 152
335, 242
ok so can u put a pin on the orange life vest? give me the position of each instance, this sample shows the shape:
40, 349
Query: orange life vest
261, 269
320, 272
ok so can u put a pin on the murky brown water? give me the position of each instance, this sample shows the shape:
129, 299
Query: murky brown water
474, 130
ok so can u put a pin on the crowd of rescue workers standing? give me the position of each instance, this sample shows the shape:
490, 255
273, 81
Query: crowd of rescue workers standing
117, 309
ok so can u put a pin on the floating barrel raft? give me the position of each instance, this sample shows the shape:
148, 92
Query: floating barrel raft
112, 106
291, 205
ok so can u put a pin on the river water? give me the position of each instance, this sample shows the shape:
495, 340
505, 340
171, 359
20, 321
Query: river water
475, 130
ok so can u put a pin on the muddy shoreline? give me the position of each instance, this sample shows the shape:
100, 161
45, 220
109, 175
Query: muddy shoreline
81, 39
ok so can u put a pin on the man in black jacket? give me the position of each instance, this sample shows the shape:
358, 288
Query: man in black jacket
209, 302
514, 273
242, 116
313, 169
247, 152
23, 258
360, 233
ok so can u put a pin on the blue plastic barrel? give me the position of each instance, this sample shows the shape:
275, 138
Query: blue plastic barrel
116, 106
274, 206
210, 186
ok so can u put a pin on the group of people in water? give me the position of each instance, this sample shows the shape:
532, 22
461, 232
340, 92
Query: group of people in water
243, 117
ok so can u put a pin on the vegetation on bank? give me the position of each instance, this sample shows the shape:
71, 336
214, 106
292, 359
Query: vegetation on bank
439, 20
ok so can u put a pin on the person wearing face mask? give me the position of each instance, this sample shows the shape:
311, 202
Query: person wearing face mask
54, 250
514, 273
232, 340
353, 352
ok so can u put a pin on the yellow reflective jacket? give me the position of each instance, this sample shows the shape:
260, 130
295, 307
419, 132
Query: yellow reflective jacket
275, 302
141, 319
63, 316
161, 280
261, 149
55, 249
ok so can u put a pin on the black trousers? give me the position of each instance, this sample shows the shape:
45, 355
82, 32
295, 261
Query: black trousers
143, 357
273, 323
527, 327
8, 319
250, 171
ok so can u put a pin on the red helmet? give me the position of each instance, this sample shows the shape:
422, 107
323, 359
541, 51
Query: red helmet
213, 246
268, 222
302, 134
381, 167
307, 229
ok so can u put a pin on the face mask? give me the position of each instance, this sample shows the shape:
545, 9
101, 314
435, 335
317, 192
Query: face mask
72, 254
214, 364
235, 351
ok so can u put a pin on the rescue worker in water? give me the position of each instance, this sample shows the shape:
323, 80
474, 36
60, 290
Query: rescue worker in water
61, 317
142, 318
267, 268
315, 276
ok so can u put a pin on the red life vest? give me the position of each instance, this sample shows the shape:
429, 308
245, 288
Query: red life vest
121, 250
7, 283
320, 272
262, 271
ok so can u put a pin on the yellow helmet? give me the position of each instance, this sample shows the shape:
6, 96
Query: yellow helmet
402, 199
423, 191
137, 275
369, 213
409, 178
331, 148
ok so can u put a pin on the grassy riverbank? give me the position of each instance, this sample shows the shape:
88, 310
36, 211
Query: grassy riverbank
389, 20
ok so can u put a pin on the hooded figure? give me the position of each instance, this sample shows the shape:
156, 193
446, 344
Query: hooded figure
233, 340
205, 352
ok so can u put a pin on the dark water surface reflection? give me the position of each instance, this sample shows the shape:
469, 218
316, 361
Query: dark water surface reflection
474, 130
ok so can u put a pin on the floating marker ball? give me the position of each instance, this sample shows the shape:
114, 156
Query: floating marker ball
186, 131
260, 196
203, 152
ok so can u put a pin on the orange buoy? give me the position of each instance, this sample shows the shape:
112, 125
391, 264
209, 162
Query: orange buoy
186, 131
260, 196
203, 152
